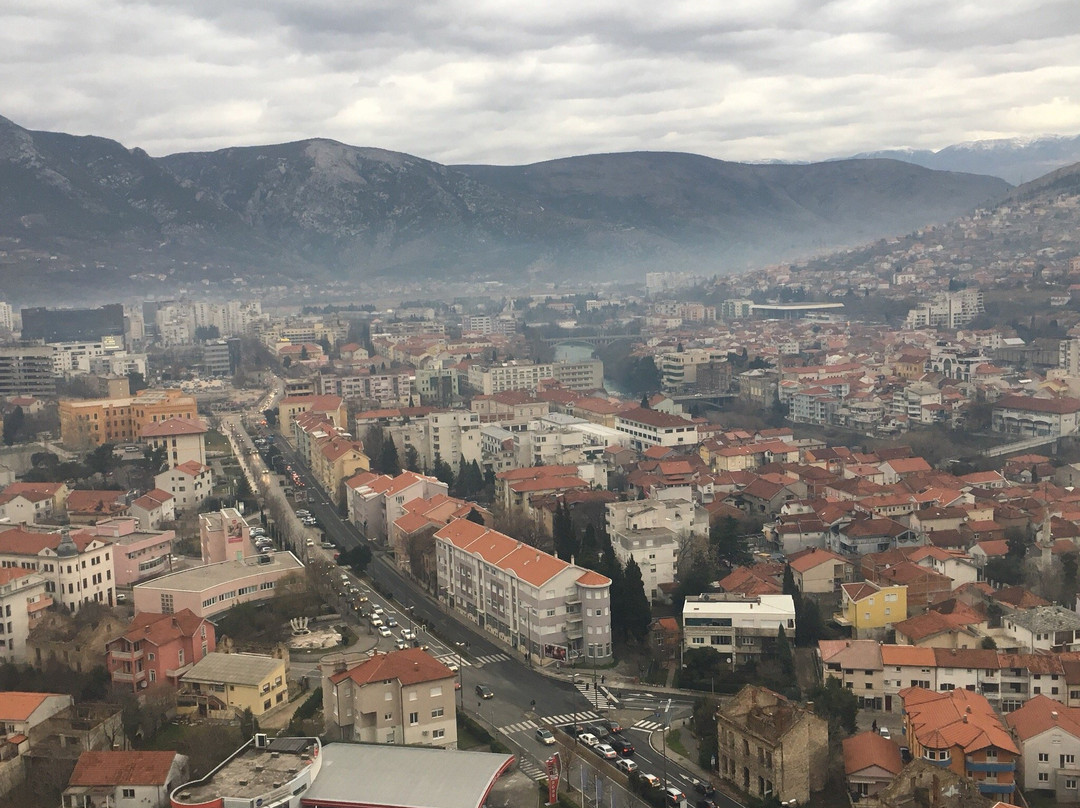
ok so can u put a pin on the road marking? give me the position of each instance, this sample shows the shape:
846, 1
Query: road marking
648, 726
448, 659
520, 726
569, 718
494, 657
533, 771
593, 695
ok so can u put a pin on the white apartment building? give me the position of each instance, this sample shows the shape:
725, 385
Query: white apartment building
739, 628
543, 606
653, 532
78, 567
450, 435
947, 310
23, 599
679, 368
515, 375
7, 317
646, 428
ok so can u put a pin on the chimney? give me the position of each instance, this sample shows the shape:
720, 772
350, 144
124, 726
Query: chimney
965, 718
1054, 715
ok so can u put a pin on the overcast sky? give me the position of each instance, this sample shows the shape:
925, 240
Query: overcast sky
499, 81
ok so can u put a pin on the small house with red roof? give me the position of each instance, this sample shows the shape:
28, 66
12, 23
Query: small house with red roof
158, 648
1049, 736
26, 503
189, 484
153, 508
122, 777
90, 506
870, 762
421, 709
182, 439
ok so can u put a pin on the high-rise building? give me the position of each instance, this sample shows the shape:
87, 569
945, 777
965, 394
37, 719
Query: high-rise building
26, 370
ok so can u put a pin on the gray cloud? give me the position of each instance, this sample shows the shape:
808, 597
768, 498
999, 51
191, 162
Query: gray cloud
490, 81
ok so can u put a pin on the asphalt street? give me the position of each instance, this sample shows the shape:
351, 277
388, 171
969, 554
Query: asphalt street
524, 699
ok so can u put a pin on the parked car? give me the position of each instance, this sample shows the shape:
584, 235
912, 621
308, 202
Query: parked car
606, 751
626, 765
484, 692
545, 736
884, 731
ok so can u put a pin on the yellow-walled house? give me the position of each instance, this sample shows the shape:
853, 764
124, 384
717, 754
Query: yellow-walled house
869, 609
226, 684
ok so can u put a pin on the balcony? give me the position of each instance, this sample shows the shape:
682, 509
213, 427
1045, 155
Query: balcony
985, 766
126, 656
942, 763
120, 676
996, 788
574, 632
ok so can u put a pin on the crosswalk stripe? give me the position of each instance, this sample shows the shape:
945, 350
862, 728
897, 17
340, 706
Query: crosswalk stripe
533, 771
520, 726
447, 659
569, 718
651, 726
489, 658
593, 695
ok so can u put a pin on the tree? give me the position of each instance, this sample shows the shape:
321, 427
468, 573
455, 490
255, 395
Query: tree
304, 355
789, 582
388, 458
838, 705
412, 458
809, 625
356, 559
374, 438
562, 531
785, 658
13, 424
474, 516
441, 471
638, 616
207, 332
729, 547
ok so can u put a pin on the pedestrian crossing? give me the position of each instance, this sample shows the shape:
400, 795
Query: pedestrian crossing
453, 659
487, 659
648, 726
594, 695
520, 726
570, 718
531, 769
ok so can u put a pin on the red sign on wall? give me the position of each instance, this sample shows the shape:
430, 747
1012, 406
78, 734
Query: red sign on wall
553, 779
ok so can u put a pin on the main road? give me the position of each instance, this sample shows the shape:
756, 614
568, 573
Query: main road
524, 699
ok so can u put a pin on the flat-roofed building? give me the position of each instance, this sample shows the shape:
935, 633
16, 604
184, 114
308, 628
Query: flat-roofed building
228, 684
138, 554
215, 588
645, 428
224, 535
738, 627
23, 599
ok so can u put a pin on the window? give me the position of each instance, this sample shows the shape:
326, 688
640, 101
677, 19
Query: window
1070, 783
266, 704
441, 733
388, 716
414, 719
1044, 777
437, 712
128, 793
1044, 757
435, 691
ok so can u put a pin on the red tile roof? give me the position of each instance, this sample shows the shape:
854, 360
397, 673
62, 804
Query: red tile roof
410, 666
16, 705
122, 769
1041, 713
172, 427
869, 749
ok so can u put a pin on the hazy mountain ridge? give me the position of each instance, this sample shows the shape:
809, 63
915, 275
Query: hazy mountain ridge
318, 208
1016, 160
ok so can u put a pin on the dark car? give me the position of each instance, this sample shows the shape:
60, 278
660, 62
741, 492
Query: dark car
620, 744
612, 726
484, 692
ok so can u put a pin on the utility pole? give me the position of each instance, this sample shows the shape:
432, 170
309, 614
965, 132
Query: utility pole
664, 729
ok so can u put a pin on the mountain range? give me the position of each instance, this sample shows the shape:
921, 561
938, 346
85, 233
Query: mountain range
86, 216
1015, 160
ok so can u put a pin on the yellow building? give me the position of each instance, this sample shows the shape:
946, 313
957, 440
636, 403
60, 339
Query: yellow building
335, 461
224, 685
95, 422
869, 609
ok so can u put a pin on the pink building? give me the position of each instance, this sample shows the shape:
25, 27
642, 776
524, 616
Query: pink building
215, 588
158, 648
224, 535
138, 554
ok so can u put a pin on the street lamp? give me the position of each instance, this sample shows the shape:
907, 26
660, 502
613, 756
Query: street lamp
664, 730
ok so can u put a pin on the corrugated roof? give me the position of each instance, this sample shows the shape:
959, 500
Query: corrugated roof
122, 769
237, 669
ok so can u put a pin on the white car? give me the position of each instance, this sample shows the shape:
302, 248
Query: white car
606, 751
376, 622
588, 739
626, 765
384, 631
884, 731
